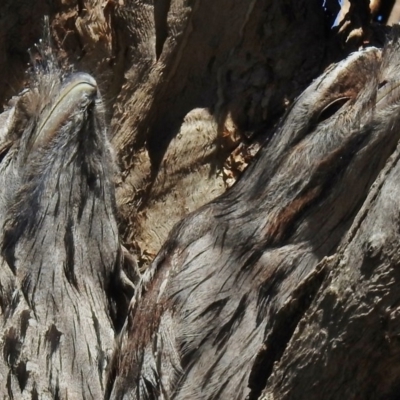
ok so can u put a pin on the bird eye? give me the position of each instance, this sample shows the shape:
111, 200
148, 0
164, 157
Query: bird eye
382, 84
86, 100
332, 108
4, 148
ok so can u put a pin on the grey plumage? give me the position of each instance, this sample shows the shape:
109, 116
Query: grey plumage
220, 301
60, 246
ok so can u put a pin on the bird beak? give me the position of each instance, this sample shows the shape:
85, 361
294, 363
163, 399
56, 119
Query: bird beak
75, 96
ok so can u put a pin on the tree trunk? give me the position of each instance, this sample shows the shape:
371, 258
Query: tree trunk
282, 286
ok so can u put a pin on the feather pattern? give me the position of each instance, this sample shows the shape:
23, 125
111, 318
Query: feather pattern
204, 324
59, 244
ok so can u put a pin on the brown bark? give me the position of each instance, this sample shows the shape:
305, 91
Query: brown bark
246, 69
258, 293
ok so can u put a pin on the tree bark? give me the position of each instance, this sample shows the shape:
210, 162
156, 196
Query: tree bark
282, 286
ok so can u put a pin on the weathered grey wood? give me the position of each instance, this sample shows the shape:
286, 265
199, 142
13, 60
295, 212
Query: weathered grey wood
243, 61
346, 344
234, 66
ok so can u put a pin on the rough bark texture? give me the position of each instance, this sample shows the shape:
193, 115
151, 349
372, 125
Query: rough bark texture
282, 287
177, 79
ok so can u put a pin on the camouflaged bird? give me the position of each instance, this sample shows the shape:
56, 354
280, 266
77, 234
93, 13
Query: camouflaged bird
61, 255
219, 303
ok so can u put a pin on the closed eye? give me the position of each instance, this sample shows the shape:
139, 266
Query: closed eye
332, 108
382, 84
4, 148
